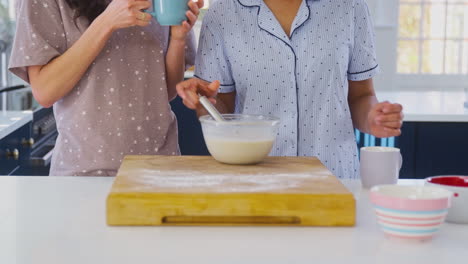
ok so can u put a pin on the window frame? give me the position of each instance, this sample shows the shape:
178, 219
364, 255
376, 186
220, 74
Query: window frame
423, 81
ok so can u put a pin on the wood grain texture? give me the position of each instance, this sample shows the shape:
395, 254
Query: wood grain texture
197, 190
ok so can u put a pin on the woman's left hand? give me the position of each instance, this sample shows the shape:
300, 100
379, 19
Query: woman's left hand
385, 120
180, 32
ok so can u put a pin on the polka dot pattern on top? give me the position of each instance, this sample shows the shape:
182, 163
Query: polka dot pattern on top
120, 107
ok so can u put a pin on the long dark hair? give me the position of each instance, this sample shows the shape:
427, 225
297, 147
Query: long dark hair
89, 9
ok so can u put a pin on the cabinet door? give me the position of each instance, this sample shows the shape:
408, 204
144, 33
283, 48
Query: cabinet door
191, 140
7, 166
441, 149
14, 143
407, 145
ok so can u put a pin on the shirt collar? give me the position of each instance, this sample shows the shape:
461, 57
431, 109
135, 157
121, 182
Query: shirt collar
267, 22
251, 3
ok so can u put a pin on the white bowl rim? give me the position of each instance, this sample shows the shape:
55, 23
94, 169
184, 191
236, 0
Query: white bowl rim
378, 149
442, 193
263, 120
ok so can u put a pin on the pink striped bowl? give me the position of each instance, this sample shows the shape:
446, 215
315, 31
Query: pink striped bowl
413, 212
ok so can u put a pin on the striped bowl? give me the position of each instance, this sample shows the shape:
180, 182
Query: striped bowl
410, 212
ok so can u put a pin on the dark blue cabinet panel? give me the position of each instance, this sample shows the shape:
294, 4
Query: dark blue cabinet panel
14, 143
190, 134
432, 148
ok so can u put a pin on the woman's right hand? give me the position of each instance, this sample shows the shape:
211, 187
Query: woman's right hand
190, 89
127, 13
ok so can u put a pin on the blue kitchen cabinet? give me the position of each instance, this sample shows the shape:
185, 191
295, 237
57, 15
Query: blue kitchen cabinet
191, 140
14, 151
434, 148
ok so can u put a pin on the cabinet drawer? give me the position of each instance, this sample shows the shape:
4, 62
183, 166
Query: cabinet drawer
13, 150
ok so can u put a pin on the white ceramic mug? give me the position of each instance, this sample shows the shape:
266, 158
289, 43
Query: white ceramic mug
380, 165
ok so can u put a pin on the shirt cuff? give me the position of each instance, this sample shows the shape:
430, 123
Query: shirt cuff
223, 88
227, 88
19, 65
364, 75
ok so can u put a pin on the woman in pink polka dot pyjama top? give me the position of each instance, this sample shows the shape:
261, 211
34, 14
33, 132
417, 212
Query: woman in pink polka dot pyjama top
109, 70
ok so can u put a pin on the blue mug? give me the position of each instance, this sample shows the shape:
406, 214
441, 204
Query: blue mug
169, 12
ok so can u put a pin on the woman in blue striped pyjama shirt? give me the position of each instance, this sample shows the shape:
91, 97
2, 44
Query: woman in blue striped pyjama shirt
308, 62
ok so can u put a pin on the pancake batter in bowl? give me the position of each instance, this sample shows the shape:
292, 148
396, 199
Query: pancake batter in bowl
240, 139
235, 151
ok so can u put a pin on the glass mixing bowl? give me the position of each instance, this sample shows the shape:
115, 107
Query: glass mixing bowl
241, 139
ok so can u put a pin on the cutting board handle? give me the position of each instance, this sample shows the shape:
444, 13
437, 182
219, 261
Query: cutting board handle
235, 220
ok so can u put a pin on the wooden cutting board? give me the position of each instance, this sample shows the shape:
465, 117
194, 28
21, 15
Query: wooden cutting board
197, 190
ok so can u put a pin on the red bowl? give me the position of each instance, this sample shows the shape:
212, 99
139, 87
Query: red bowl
458, 213
456, 181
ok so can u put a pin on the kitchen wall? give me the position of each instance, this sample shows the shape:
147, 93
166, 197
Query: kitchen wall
20, 99
385, 16
7, 28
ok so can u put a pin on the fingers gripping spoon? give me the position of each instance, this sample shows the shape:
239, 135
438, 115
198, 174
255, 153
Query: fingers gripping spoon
211, 109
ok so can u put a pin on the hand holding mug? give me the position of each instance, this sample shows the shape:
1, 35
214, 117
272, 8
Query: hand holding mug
179, 32
127, 13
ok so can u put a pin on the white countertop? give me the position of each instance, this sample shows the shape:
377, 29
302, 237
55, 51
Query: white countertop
12, 120
429, 106
58, 220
